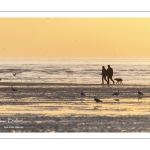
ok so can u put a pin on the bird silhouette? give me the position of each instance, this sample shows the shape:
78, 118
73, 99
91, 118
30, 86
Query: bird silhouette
14, 74
97, 100
82, 94
13, 89
140, 93
116, 93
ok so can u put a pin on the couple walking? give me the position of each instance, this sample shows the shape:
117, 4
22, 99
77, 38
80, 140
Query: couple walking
107, 73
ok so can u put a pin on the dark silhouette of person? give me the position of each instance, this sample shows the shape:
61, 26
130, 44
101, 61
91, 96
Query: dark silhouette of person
104, 74
109, 74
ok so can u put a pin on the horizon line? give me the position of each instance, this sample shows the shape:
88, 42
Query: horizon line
74, 57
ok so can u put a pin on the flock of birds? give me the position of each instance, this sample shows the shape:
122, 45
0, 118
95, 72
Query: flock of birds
114, 94
83, 94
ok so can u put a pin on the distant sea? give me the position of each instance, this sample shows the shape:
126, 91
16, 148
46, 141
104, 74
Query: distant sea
85, 71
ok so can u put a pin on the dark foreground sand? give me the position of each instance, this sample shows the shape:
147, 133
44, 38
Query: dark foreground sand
49, 107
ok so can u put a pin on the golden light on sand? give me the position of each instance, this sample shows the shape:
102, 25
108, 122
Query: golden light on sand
75, 37
61, 109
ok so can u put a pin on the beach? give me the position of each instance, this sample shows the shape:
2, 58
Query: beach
59, 107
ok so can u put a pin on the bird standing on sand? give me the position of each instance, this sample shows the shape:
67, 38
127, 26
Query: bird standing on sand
14, 74
116, 93
13, 89
82, 94
140, 93
97, 100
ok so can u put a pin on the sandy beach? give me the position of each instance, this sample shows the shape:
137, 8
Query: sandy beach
54, 107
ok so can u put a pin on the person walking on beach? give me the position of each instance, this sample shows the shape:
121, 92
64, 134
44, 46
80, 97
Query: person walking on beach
104, 74
109, 74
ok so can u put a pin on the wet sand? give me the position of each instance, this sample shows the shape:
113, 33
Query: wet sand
49, 107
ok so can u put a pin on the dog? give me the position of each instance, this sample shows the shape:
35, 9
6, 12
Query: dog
118, 80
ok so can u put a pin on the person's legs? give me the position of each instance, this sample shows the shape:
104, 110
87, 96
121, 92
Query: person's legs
112, 79
102, 79
108, 80
105, 78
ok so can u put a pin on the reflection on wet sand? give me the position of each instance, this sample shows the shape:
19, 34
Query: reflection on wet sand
60, 109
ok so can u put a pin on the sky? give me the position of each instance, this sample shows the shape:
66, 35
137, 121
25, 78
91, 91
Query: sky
75, 37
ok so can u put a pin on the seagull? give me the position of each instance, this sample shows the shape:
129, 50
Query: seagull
139, 92
14, 74
116, 93
82, 93
13, 89
97, 100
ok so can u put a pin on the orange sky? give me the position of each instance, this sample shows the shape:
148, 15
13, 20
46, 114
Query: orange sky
75, 37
